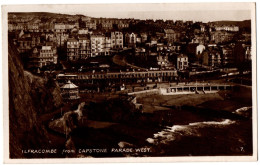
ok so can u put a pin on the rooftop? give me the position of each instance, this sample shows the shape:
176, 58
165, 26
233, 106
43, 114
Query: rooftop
182, 56
69, 85
46, 47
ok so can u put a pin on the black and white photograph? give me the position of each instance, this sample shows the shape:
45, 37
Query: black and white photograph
152, 80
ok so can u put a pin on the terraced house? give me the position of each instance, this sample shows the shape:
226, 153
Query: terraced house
97, 45
42, 56
117, 40
72, 49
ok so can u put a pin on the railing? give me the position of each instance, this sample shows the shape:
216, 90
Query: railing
118, 75
194, 89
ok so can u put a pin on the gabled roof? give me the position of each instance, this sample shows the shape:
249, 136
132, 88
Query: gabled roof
182, 56
83, 37
72, 40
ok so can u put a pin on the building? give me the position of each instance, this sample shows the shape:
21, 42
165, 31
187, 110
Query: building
130, 39
149, 21
162, 60
61, 38
24, 44
84, 48
138, 39
175, 48
182, 62
221, 36
107, 25
122, 25
85, 19
227, 57
91, 24
159, 21
227, 28
71, 25
107, 45
83, 31
116, 40
34, 27
200, 39
59, 28
154, 41
140, 52
126, 77
240, 53
171, 35
248, 55
169, 22
42, 56
17, 26
179, 23
144, 37
189, 23
46, 26
69, 91
72, 49
211, 58
202, 28
247, 37
97, 45
49, 36
190, 51
11, 27
199, 49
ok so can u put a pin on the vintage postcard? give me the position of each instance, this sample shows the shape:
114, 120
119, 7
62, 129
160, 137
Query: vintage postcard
161, 82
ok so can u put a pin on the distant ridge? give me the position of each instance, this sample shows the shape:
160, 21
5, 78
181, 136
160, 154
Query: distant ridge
241, 24
45, 14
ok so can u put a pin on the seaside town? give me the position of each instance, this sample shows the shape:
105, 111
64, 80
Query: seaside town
120, 74
110, 53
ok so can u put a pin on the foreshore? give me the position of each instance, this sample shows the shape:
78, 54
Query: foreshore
158, 112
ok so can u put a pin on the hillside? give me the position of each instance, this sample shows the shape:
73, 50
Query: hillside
29, 97
241, 24
45, 14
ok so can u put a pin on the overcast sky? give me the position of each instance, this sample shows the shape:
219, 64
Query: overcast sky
204, 16
175, 11
204, 12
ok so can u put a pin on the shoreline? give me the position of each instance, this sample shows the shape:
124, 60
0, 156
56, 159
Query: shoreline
167, 111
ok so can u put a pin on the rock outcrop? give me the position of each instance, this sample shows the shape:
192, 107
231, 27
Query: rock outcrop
29, 96
68, 121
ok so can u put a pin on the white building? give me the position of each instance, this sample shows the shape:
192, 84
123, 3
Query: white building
97, 45
199, 49
227, 28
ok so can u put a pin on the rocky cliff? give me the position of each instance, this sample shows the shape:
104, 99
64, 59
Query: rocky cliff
29, 97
